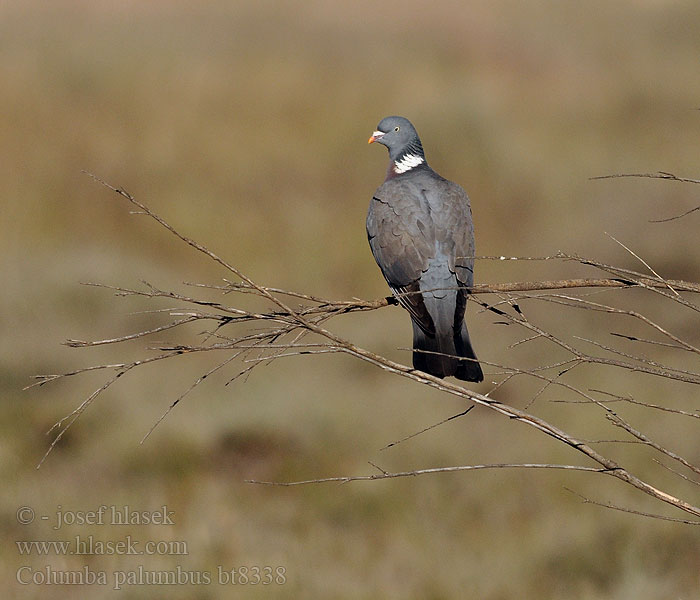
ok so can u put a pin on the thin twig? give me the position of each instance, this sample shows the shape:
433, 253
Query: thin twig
645, 263
433, 426
417, 472
658, 175
631, 511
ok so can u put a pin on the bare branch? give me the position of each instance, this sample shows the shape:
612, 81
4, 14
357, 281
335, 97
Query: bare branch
659, 175
133, 336
617, 420
681, 475
645, 263
428, 428
649, 405
630, 511
282, 331
386, 475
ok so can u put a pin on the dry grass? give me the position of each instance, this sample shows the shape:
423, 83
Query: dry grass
245, 125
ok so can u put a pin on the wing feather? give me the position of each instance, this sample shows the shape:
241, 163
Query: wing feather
401, 250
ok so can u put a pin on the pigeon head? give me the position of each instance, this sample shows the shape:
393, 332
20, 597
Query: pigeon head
402, 141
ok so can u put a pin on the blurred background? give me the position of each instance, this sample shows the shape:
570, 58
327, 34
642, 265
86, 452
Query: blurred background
244, 124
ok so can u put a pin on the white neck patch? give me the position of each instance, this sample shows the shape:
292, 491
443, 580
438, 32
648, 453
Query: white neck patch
408, 162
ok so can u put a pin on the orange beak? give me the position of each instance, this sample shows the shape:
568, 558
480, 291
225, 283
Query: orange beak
375, 136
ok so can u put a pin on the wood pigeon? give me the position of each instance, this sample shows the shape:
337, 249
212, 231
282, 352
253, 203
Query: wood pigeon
420, 230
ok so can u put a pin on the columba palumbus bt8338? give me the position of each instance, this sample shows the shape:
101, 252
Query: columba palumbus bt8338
420, 230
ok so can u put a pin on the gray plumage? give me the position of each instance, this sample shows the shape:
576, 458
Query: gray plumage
420, 230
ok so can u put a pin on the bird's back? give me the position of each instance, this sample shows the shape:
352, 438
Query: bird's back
420, 230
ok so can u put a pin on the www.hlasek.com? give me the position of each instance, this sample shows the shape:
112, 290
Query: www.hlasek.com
88, 545
243, 575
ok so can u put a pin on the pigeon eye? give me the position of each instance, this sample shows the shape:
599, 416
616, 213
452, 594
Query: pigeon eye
396, 128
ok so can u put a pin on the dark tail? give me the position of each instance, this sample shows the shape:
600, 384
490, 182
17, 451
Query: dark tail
434, 355
467, 370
